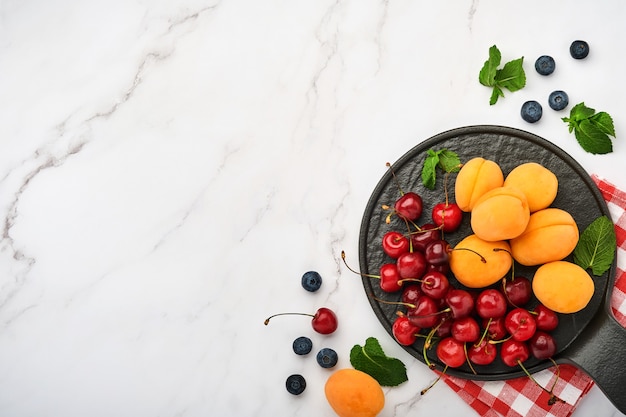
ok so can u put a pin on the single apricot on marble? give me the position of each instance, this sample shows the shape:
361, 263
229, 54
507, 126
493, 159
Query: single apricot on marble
477, 263
551, 235
354, 393
563, 286
475, 178
538, 183
500, 214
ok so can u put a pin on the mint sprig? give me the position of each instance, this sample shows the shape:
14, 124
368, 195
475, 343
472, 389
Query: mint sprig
511, 76
596, 246
370, 358
445, 159
592, 130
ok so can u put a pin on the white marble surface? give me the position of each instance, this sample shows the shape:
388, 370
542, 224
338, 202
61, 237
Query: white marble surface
170, 169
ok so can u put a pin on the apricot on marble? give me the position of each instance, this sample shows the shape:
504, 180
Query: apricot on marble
476, 177
563, 286
537, 182
477, 263
500, 214
551, 235
353, 393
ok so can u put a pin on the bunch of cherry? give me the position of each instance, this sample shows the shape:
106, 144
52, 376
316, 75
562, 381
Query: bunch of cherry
465, 326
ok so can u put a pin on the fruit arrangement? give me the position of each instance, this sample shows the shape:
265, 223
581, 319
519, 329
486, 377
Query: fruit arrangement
474, 298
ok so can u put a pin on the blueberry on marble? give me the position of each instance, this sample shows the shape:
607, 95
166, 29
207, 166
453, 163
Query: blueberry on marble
327, 358
296, 384
311, 281
558, 100
579, 49
531, 111
302, 345
545, 65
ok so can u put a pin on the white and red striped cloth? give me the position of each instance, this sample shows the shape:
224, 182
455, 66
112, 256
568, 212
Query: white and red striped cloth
521, 397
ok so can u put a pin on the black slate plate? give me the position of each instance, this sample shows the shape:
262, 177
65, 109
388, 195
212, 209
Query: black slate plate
590, 338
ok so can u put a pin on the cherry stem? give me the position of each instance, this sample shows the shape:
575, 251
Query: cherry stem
409, 305
425, 390
482, 258
469, 363
553, 398
393, 174
484, 335
267, 320
343, 258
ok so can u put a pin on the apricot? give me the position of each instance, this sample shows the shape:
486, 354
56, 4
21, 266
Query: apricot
563, 286
537, 182
477, 263
551, 235
475, 178
500, 214
353, 393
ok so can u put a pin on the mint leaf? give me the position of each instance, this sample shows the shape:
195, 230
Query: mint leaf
591, 129
511, 76
370, 358
487, 74
596, 246
429, 173
604, 122
447, 160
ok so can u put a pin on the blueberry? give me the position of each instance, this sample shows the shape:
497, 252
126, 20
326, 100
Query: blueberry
302, 345
558, 100
531, 111
311, 281
545, 65
295, 384
579, 49
327, 358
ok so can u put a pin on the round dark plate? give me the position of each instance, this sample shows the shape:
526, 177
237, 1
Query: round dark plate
509, 147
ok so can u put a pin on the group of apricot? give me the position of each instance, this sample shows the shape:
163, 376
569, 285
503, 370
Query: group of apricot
512, 221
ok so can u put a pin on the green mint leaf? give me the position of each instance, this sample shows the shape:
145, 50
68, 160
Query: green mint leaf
449, 161
596, 246
592, 139
429, 174
370, 358
604, 122
497, 92
512, 75
487, 74
580, 112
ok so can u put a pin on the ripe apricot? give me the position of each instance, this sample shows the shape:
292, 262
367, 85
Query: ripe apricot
353, 393
563, 286
500, 214
477, 263
537, 182
551, 235
475, 178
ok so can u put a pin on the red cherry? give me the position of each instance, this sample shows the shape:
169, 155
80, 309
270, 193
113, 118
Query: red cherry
443, 268
444, 327
435, 284
491, 303
411, 293
448, 216
542, 345
495, 328
395, 244
460, 302
520, 324
437, 252
513, 351
411, 265
465, 329
421, 238
390, 278
425, 314
518, 291
482, 353
409, 206
547, 320
324, 320
451, 352
404, 331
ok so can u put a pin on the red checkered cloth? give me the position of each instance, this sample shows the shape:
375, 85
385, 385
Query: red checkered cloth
521, 397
